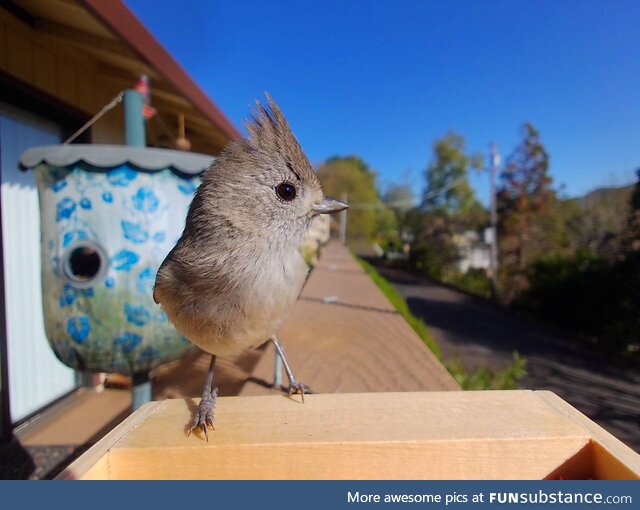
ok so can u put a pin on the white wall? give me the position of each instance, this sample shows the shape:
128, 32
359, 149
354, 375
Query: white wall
36, 377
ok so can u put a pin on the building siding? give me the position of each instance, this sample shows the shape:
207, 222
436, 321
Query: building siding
36, 377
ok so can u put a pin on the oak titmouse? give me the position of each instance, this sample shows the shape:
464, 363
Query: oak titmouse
236, 270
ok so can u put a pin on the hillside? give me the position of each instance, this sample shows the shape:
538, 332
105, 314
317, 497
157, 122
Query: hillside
609, 197
596, 219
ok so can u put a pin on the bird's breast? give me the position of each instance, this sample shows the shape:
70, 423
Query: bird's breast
250, 310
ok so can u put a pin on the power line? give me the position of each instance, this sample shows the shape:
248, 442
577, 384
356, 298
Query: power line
411, 202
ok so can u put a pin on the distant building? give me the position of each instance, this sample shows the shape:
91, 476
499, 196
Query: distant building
61, 62
473, 252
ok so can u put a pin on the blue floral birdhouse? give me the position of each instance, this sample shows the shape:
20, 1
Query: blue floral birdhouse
109, 216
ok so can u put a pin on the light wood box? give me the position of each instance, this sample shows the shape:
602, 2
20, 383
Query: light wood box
426, 435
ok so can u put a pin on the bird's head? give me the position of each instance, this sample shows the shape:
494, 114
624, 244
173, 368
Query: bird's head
267, 181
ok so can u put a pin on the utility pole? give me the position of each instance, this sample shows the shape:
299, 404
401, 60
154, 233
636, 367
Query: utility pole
343, 220
493, 262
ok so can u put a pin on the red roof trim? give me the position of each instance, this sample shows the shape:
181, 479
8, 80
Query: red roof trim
118, 18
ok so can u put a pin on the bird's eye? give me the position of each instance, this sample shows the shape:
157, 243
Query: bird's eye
286, 191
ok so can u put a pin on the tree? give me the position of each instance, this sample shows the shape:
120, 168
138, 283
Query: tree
524, 199
432, 250
449, 207
631, 233
596, 222
351, 175
448, 190
399, 197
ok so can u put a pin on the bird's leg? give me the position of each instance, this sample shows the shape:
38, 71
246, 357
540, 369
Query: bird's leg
294, 386
205, 416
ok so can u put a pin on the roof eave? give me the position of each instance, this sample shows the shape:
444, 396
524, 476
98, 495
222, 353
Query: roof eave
122, 22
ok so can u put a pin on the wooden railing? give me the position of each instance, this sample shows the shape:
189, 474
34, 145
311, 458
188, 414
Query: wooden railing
423, 435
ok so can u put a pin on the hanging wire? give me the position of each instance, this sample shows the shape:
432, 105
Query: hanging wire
106, 108
405, 203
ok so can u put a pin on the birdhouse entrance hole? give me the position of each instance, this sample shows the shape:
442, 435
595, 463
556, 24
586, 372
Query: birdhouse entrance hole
84, 264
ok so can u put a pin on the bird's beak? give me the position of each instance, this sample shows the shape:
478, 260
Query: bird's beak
329, 206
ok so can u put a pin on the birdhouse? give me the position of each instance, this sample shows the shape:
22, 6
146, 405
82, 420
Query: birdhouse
109, 216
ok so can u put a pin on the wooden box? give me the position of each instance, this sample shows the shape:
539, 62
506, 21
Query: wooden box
426, 435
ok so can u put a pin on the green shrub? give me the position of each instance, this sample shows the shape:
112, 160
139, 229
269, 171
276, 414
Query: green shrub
475, 281
485, 379
592, 299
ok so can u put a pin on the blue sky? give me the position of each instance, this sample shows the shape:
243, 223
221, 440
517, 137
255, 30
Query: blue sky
384, 79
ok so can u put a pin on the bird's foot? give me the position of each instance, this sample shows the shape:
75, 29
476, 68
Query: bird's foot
206, 414
298, 388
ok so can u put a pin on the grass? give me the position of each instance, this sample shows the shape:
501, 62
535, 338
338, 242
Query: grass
481, 378
485, 379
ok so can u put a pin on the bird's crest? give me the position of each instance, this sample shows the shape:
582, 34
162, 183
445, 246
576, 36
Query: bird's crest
269, 133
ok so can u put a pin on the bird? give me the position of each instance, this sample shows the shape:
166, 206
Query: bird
236, 270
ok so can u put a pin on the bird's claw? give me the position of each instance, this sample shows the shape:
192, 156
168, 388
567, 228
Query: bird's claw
205, 416
295, 388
